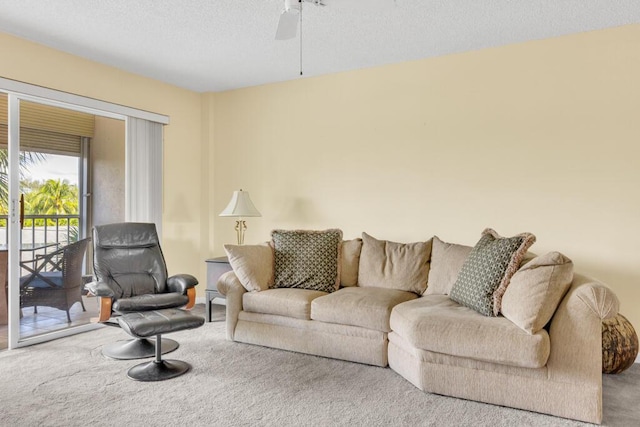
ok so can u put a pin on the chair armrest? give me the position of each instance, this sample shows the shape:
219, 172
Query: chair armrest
181, 282
229, 286
99, 289
105, 310
184, 284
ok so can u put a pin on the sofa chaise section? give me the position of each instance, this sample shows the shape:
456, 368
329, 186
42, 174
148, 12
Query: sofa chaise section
568, 385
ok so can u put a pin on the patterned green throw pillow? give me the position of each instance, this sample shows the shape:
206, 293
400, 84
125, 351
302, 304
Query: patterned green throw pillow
487, 271
307, 259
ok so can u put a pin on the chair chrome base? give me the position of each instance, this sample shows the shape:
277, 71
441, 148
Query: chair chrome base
139, 348
158, 370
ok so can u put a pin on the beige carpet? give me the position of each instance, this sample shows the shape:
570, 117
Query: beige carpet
68, 382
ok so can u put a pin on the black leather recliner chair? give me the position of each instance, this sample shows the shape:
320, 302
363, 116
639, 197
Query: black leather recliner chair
130, 275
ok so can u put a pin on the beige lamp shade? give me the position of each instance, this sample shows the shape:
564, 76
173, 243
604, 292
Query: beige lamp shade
240, 206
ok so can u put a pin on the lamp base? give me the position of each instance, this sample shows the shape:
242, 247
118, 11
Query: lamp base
241, 226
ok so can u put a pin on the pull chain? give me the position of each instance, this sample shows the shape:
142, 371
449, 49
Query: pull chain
300, 1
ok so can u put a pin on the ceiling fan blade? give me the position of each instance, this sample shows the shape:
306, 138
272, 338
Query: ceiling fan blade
287, 25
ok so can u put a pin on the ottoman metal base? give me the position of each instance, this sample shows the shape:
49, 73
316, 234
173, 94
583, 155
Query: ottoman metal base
158, 322
139, 348
158, 370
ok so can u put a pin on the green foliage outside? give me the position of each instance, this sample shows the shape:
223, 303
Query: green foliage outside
51, 197
27, 159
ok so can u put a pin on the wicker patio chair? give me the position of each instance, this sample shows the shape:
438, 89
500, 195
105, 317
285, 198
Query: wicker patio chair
61, 288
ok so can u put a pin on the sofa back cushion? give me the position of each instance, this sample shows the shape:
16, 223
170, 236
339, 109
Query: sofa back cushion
391, 265
488, 269
307, 259
350, 262
253, 264
536, 290
446, 262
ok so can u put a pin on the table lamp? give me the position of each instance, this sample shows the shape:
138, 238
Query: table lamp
240, 206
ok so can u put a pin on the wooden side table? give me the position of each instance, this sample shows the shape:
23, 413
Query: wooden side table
216, 267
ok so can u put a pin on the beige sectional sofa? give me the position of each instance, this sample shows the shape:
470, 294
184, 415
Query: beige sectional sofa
543, 352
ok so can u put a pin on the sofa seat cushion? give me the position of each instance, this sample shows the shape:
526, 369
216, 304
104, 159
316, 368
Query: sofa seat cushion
438, 324
365, 307
282, 302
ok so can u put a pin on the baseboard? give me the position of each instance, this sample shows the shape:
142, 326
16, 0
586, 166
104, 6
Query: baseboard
638, 359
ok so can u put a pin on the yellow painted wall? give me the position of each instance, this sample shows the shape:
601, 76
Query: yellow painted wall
542, 136
184, 196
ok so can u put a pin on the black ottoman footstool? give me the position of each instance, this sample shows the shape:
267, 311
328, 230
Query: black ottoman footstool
145, 324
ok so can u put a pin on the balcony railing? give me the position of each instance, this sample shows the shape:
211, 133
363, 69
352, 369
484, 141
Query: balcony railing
62, 229
43, 229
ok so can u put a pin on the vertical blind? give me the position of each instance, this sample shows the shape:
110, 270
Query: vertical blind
144, 172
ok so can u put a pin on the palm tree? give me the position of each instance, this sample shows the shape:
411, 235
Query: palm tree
54, 197
27, 158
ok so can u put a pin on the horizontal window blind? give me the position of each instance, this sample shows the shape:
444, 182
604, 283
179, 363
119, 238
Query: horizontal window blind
43, 141
48, 129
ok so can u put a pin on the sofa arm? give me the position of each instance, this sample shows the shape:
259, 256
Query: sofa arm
576, 332
229, 286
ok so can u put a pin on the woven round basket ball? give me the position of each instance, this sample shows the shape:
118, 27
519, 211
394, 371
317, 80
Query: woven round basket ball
619, 344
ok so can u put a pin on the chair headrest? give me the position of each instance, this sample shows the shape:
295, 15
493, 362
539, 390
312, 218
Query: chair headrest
125, 235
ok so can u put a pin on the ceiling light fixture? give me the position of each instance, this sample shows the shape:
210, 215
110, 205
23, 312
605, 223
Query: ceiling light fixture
289, 18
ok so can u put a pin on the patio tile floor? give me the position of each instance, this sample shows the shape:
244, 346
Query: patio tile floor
50, 319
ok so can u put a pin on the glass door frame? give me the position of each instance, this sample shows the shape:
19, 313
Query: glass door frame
14, 231
17, 91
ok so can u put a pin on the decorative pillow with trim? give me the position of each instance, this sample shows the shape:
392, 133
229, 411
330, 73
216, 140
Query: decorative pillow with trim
486, 273
307, 259
350, 262
536, 290
253, 264
391, 265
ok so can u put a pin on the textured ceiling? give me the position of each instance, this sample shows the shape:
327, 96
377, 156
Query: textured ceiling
215, 45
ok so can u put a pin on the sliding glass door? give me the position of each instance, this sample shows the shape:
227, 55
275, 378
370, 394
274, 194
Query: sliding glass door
46, 241
53, 239
46, 220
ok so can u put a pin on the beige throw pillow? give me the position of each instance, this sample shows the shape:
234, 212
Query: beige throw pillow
253, 264
350, 262
536, 290
447, 260
390, 265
